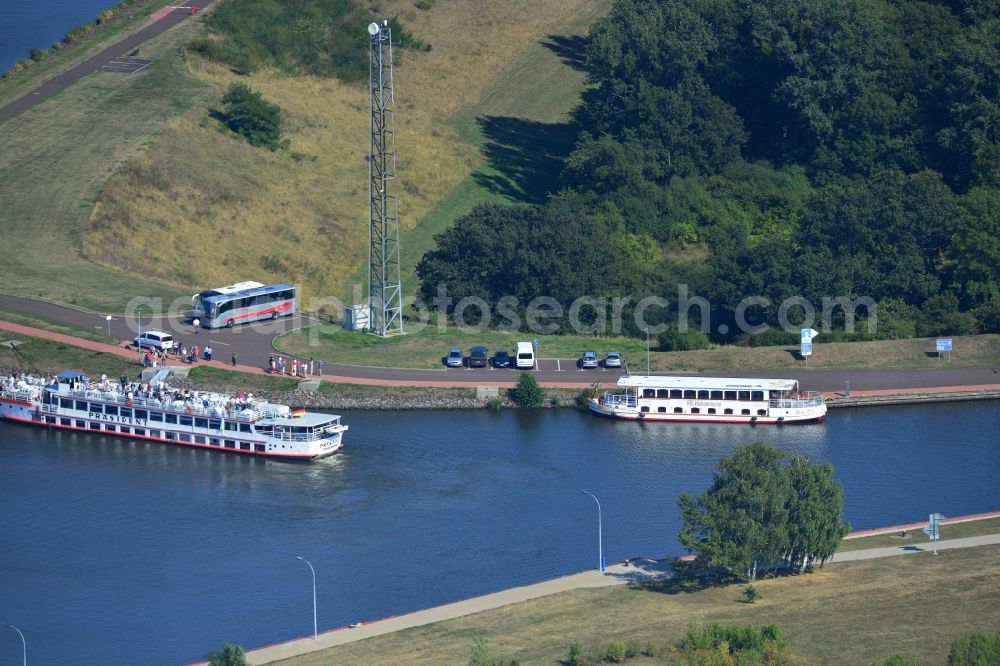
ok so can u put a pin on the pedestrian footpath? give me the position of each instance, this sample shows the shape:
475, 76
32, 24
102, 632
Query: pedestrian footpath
635, 571
122, 350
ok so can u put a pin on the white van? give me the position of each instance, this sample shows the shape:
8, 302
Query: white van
524, 355
155, 340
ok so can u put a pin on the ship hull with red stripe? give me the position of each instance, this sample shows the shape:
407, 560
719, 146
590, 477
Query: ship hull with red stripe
280, 435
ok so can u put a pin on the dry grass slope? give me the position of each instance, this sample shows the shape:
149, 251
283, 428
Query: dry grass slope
56, 157
200, 207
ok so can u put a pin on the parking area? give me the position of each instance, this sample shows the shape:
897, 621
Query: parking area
552, 365
125, 65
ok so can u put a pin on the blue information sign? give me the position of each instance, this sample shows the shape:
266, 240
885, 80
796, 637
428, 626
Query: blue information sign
943, 344
536, 343
807, 348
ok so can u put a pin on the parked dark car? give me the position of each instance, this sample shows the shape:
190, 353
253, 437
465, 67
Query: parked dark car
477, 357
501, 359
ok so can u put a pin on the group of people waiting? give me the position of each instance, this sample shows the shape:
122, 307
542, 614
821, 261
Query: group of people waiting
277, 366
192, 354
152, 358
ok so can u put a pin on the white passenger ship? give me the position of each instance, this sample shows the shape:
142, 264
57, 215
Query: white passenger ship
155, 412
709, 399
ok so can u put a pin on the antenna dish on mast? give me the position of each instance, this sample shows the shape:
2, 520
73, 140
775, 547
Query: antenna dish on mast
373, 29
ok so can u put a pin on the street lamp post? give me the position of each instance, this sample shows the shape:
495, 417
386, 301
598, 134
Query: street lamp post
315, 631
600, 540
647, 350
24, 645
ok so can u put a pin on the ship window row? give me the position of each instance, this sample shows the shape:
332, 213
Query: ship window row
710, 410
149, 415
704, 394
155, 434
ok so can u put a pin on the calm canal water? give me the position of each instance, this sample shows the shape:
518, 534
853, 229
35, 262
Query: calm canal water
28, 24
115, 552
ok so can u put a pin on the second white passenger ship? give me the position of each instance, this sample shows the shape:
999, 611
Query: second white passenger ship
709, 399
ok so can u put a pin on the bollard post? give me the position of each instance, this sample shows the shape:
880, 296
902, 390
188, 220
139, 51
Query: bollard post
847, 388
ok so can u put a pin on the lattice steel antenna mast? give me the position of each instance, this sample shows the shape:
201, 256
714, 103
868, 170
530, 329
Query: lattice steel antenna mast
385, 292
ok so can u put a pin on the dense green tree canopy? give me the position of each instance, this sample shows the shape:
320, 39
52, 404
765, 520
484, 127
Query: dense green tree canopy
762, 512
229, 655
785, 148
560, 250
249, 114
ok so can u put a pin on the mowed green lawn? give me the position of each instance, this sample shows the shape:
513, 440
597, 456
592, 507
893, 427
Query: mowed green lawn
49, 357
426, 347
852, 613
56, 157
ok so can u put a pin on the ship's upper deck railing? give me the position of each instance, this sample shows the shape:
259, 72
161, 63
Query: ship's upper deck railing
799, 401
619, 399
211, 405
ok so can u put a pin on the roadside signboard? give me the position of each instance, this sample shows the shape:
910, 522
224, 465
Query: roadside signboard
807, 348
536, 343
943, 345
933, 529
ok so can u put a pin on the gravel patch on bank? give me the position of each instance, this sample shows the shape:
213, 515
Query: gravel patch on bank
327, 401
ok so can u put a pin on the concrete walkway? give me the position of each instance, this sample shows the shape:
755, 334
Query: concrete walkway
638, 570
923, 547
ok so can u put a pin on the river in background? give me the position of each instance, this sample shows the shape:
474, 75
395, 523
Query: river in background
28, 24
119, 553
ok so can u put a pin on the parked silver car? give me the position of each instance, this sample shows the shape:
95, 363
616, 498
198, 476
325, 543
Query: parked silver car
455, 358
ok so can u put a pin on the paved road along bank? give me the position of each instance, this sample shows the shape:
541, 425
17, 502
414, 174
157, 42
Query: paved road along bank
120, 48
636, 571
360, 375
254, 343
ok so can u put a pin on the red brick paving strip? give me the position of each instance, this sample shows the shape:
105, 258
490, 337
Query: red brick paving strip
916, 526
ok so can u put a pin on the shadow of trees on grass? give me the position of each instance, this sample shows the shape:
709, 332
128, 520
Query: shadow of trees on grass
524, 157
571, 49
